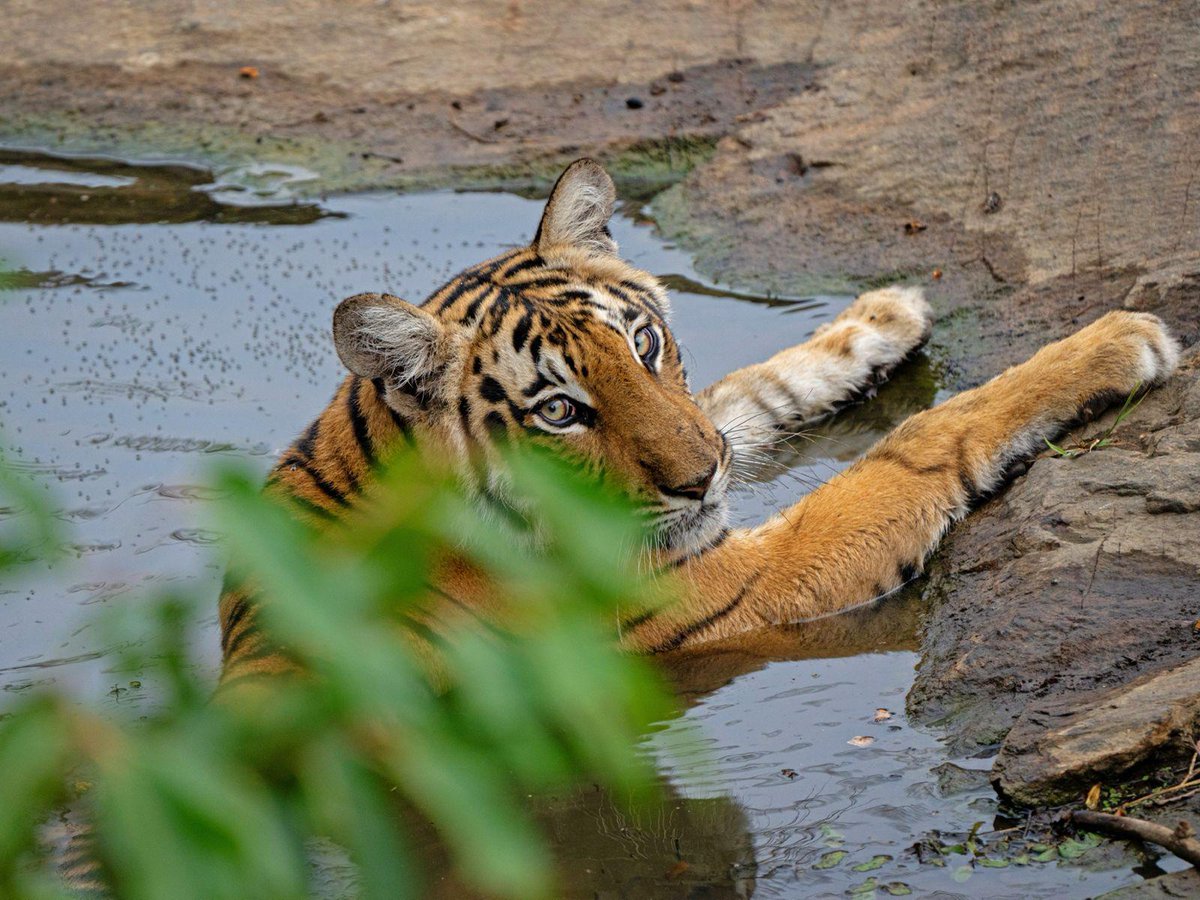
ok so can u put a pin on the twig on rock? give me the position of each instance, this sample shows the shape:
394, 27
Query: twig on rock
1180, 840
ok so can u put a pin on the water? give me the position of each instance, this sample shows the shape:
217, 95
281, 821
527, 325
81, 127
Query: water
159, 321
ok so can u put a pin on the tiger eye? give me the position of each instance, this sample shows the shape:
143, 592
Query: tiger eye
557, 411
645, 341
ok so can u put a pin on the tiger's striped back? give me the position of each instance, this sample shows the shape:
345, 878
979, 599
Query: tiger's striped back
322, 474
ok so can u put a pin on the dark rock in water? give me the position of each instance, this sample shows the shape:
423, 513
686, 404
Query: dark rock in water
1061, 746
1084, 573
953, 779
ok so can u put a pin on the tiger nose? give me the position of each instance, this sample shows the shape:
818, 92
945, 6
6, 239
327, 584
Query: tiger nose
694, 491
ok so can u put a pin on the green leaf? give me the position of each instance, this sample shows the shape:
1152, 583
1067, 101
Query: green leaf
875, 862
38, 535
216, 833
866, 887
494, 843
830, 859
346, 802
35, 752
1073, 848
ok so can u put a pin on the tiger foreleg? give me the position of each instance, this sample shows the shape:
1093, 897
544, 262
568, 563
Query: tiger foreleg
755, 405
871, 528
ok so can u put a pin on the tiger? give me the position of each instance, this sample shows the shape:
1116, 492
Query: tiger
562, 342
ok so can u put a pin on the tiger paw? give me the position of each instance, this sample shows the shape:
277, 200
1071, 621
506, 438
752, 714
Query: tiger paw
879, 329
1122, 351
901, 315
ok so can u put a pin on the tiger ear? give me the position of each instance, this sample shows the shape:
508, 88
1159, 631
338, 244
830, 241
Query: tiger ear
381, 336
578, 210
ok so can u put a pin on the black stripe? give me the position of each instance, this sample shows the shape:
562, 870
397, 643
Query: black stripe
721, 613
240, 608
486, 269
626, 297
971, 492
308, 506
473, 307
399, 421
786, 389
307, 442
645, 294
543, 282
887, 453
464, 414
359, 423
267, 649
348, 472
538, 384
521, 331
380, 393
634, 621
532, 262
491, 390
324, 486
465, 283
696, 554
462, 605
235, 646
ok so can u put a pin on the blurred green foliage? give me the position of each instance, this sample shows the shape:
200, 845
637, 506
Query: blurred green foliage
455, 723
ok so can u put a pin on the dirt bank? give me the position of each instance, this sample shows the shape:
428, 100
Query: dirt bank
1033, 164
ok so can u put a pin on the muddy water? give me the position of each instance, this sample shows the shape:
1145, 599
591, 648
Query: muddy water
159, 318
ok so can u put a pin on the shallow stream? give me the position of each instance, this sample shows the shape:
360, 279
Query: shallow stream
159, 317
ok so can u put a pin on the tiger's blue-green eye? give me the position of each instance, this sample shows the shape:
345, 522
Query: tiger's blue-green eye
645, 342
557, 411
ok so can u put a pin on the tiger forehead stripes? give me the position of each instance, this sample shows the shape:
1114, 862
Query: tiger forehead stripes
563, 343
551, 318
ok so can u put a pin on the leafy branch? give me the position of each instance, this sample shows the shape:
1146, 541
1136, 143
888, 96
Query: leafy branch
413, 712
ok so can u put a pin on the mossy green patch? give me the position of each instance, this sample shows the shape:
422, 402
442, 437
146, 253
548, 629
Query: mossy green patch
640, 168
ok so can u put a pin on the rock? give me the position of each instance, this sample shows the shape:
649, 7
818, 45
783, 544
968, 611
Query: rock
1062, 745
1177, 884
1082, 574
953, 779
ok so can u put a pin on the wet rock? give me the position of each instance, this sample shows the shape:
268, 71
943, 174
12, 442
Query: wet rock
1171, 291
1062, 745
1177, 884
953, 779
1080, 576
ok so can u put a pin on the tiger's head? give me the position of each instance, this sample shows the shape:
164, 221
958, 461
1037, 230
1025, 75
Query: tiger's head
560, 342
